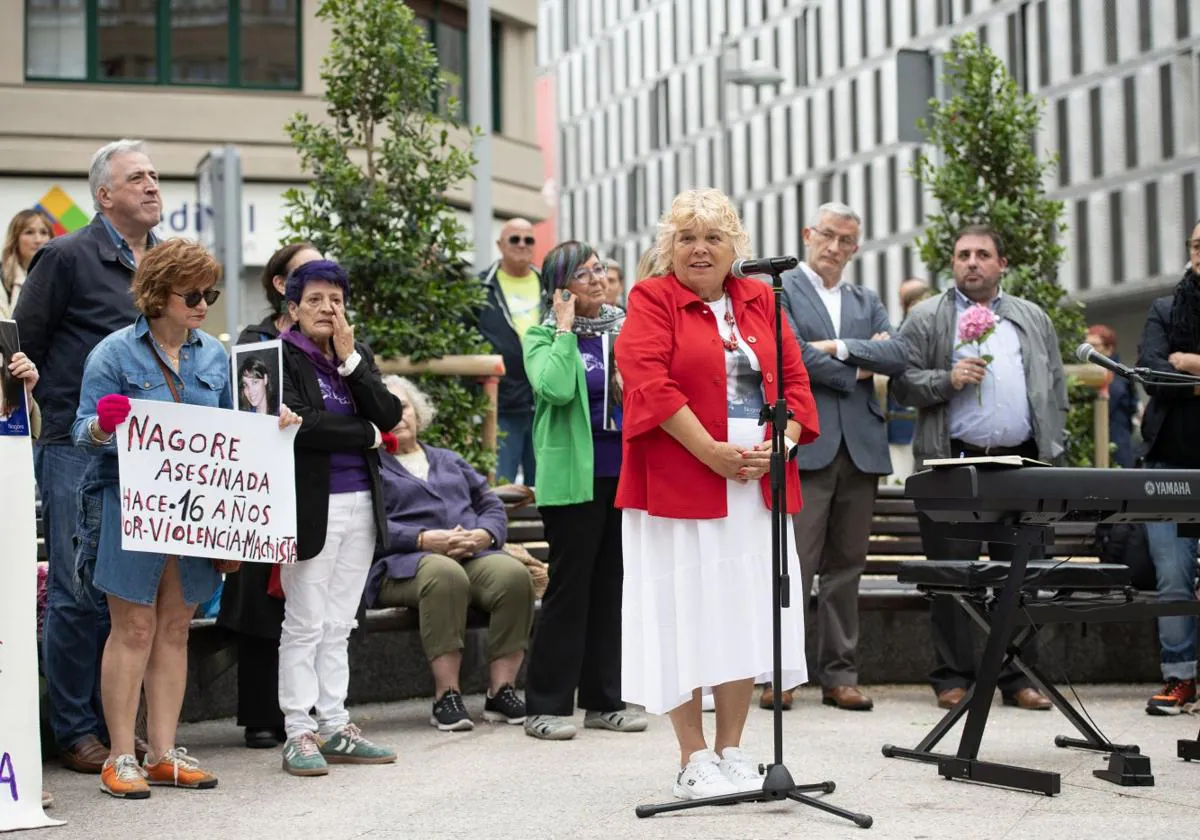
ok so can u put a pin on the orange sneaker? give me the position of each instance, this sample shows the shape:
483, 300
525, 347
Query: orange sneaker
121, 777
178, 769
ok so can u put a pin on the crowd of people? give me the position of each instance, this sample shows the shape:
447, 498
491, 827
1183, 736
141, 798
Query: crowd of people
634, 416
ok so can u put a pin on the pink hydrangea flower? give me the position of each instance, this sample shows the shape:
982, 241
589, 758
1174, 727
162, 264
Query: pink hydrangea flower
976, 324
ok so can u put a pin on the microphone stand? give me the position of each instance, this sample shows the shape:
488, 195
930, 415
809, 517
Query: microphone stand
778, 783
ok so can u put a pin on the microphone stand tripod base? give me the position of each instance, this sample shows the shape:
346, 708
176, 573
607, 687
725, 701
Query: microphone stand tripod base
777, 785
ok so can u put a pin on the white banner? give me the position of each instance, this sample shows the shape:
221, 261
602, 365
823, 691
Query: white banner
20, 736
207, 482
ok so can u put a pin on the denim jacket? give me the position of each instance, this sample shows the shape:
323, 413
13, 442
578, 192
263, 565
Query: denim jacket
124, 363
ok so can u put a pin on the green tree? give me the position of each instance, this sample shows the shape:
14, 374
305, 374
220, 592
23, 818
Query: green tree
988, 171
381, 164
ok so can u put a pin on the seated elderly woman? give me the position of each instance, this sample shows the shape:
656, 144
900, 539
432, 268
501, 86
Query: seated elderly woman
445, 531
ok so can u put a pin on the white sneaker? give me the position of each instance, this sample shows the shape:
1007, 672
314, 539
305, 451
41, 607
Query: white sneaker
740, 770
702, 778
708, 702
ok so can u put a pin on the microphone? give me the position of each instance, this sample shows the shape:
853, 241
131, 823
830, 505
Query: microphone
764, 265
1087, 354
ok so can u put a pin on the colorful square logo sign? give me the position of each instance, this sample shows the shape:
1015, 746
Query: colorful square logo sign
64, 212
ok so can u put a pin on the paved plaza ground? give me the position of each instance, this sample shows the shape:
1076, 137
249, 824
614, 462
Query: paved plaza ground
495, 782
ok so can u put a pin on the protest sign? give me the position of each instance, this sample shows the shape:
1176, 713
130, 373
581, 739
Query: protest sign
206, 482
20, 736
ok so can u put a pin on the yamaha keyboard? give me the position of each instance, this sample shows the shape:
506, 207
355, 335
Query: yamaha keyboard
1004, 502
1044, 495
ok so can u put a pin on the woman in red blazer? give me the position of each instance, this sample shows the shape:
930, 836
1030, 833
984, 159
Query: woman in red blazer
697, 357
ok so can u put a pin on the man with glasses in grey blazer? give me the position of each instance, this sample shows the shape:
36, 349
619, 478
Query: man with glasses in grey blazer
846, 339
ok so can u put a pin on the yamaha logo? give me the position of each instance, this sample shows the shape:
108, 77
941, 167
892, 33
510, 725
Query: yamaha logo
1168, 488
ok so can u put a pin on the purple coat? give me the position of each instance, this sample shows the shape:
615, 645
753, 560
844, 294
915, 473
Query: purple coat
455, 494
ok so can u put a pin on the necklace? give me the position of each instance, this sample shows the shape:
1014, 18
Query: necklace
731, 343
174, 357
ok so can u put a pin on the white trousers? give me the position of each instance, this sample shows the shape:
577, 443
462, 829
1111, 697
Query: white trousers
322, 597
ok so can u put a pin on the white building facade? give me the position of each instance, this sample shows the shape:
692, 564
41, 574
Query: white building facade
636, 85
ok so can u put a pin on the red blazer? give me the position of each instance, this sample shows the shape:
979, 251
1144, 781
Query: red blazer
670, 355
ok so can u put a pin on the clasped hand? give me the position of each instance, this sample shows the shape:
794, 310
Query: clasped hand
737, 463
457, 543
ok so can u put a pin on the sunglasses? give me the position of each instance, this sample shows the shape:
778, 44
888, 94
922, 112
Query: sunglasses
518, 240
192, 299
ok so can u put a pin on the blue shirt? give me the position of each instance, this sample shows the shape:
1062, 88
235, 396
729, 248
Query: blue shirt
123, 249
124, 363
995, 412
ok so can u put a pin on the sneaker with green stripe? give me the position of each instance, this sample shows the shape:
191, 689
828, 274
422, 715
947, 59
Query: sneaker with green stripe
302, 756
348, 746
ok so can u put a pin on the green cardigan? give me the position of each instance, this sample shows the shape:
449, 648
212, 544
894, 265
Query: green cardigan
562, 423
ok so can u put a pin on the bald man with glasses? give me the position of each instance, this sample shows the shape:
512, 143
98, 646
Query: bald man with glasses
515, 302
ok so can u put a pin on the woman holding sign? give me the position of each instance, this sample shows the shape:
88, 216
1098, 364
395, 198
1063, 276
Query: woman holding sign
164, 356
332, 382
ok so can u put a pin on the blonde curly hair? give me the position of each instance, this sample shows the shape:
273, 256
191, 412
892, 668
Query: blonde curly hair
409, 393
708, 209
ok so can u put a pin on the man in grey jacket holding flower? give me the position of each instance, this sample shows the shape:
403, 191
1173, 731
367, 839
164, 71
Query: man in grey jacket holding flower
986, 377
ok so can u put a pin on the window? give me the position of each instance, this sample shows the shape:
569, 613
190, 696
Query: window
446, 28
1183, 23
1062, 113
226, 43
906, 263
1076, 38
854, 116
1083, 273
1116, 224
1189, 205
801, 47
1166, 112
893, 210
1153, 234
1043, 25
1097, 139
1144, 34
1110, 31
878, 88
1129, 90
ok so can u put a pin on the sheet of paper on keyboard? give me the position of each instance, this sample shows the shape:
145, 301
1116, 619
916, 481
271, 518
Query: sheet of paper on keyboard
986, 460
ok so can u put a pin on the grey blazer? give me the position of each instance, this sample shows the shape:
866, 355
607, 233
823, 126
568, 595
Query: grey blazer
847, 406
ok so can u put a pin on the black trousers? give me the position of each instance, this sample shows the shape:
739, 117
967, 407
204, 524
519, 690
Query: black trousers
258, 683
577, 639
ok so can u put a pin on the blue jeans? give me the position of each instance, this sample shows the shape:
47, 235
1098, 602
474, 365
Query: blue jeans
1175, 567
76, 628
516, 448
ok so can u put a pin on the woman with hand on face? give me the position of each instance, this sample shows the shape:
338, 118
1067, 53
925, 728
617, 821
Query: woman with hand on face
577, 643
248, 610
163, 356
697, 354
28, 231
332, 382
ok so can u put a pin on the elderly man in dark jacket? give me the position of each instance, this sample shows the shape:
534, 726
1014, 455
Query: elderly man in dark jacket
443, 553
76, 294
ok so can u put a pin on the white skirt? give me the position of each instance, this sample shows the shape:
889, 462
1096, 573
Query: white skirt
696, 607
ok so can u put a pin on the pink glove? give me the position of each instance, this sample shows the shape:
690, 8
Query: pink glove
390, 442
111, 411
